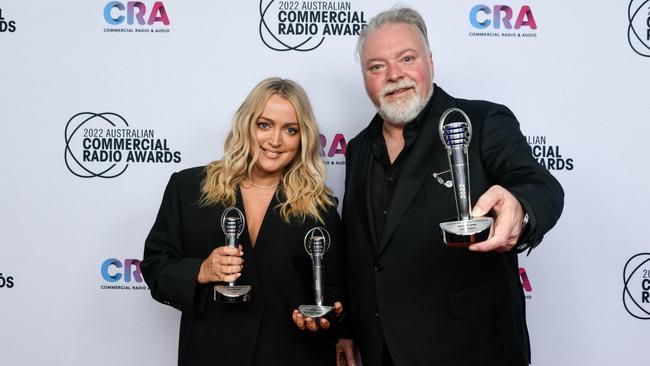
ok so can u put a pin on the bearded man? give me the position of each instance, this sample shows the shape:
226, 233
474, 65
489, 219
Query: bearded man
414, 300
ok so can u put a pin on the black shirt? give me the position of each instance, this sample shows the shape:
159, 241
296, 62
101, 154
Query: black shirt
384, 175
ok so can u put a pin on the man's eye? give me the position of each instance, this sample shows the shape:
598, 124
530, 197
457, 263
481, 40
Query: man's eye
409, 58
375, 67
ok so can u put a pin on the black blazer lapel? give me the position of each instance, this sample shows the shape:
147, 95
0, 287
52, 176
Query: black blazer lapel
428, 154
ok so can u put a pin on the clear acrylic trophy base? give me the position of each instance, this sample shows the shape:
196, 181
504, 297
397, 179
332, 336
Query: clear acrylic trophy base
463, 233
232, 294
315, 311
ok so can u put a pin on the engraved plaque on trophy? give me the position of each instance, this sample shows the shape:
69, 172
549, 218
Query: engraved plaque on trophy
317, 242
456, 133
232, 224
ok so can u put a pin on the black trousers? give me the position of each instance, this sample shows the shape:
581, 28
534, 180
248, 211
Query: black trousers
386, 359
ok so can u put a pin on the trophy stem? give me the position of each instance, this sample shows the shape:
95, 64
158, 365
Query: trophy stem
317, 271
460, 177
231, 241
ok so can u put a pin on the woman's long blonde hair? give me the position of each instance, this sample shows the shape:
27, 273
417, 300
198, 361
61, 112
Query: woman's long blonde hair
302, 191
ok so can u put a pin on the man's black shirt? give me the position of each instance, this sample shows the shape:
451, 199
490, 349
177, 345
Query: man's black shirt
384, 175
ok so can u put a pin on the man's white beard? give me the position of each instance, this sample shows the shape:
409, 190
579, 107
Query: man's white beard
401, 110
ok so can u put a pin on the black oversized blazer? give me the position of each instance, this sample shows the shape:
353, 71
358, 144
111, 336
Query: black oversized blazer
260, 332
436, 305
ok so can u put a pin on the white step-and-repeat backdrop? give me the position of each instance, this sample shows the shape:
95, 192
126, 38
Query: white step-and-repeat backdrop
100, 101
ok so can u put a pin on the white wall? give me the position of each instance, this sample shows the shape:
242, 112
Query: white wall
575, 80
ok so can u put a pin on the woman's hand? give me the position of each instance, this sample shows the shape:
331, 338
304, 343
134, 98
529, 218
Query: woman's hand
303, 322
223, 265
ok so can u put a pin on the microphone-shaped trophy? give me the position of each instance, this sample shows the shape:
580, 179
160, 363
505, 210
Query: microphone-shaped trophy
455, 136
232, 224
317, 242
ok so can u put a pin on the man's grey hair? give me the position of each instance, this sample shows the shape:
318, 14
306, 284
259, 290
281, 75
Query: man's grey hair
396, 15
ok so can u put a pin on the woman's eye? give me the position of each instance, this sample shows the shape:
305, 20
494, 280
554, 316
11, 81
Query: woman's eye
292, 130
262, 125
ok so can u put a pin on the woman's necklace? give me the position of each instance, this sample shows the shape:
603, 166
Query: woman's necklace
263, 187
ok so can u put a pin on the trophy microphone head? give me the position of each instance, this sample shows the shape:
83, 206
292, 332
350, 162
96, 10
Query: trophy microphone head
456, 134
230, 225
317, 242
232, 222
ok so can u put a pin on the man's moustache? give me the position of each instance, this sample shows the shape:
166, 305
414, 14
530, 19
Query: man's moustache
393, 88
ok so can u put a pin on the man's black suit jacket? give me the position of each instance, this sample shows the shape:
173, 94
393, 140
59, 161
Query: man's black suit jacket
431, 304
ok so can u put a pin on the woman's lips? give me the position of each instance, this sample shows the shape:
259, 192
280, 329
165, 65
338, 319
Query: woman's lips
271, 154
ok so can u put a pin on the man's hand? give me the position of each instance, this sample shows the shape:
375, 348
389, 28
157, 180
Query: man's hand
345, 353
509, 215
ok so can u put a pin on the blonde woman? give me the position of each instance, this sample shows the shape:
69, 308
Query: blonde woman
271, 170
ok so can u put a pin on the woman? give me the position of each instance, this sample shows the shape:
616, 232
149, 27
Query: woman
272, 172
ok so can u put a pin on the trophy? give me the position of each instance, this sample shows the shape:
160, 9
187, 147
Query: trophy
232, 224
317, 242
455, 136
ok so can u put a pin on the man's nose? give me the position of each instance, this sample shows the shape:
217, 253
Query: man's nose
394, 72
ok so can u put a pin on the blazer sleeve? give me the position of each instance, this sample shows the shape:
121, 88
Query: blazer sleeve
509, 162
170, 275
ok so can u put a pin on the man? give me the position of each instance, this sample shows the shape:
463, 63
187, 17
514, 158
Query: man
414, 300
